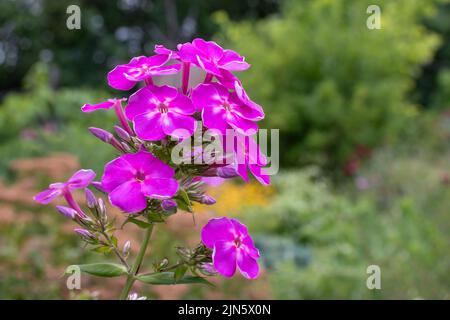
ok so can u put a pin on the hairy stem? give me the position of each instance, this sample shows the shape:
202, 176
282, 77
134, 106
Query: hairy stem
137, 264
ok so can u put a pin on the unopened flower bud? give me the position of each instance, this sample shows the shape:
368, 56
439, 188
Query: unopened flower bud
107, 137
164, 263
103, 135
102, 210
169, 206
126, 248
125, 147
67, 212
91, 201
85, 234
122, 133
208, 200
207, 268
226, 172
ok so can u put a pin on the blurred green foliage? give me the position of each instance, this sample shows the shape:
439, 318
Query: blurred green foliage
328, 82
40, 120
111, 32
341, 235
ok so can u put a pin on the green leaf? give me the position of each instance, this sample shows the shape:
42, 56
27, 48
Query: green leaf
139, 223
169, 278
103, 249
180, 272
101, 269
183, 200
155, 217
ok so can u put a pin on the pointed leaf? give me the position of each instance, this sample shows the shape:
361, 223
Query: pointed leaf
169, 278
101, 269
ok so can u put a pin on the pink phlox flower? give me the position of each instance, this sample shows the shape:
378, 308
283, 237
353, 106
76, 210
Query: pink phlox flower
132, 178
222, 109
211, 57
125, 76
232, 247
80, 179
157, 112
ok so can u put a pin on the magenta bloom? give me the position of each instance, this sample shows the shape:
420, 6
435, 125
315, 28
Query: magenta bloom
131, 178
232, 247
248, 156
160, 111
210, 57
81, 179
125, 76
222, 110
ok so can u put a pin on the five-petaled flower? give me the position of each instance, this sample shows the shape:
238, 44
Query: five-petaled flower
232, 247
222, 109
157, 112
125, 76
211, 57
132, 178
80, 179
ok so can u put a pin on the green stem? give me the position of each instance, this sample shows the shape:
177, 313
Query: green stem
136, 265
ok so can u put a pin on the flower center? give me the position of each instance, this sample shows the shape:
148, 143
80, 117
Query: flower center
227, 106
163, 108
237, 242
140, 176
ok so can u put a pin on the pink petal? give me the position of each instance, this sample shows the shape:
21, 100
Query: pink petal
232, 61
250, 248
242, 171
250, 111
215, 118
182, 104
217, 229
160, 188
117, 79
224, 258
148, 164
247, 265
128, 197
166, 70
160, 49
164, 94
240, 228
178, 125
241, 125
260, 174
92, 107
47, 196
117, 172
209, 48
140, 102
206, 95
148, 126
81, 179
188, 52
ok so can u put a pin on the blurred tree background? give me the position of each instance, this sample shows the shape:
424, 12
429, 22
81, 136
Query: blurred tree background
364, 119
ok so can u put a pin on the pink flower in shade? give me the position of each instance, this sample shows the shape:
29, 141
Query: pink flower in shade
211, 57
222, 110
160, 111
232, 247
131, 178
125, 76
246, 155
81, 179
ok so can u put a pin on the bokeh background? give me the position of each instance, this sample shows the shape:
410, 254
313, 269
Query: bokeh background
364, 119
